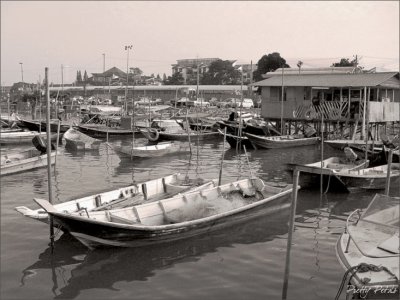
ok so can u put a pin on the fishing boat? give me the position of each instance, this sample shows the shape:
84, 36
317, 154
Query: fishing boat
173, 218
101, 130
368, 178
234, 140
23, 161
282, 141
21, 137
130, 195
149, 151
77, 140
340, 144
369, 251
311, 173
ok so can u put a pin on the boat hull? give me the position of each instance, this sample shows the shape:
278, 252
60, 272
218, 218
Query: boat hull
22, 137
194, 136
102, 131
95, 234
278, 142
33, 162
76, 140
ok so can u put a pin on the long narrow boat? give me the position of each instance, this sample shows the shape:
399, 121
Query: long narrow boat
21, 137
24, 161
369, 251
311, 173
282, 141
77, 140
150, 151
234, 140
184, 135
340, 144
101, 131
368, 178
173, 218
147, 191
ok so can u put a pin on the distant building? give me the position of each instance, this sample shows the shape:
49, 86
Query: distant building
111, 76
188, 68
247, 70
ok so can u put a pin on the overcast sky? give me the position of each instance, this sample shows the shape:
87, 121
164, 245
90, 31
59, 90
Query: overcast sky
77, 33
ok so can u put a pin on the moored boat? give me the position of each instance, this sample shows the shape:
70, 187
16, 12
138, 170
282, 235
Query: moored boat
234, 140
146, 191
148, 151
23, 161
282, 141
20, 137
79, 141
173, 218
369, 251
368, 178
311, 173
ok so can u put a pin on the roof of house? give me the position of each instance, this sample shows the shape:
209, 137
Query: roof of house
110, 72
384, 79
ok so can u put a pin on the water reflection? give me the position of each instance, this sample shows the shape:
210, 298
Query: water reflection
103, 268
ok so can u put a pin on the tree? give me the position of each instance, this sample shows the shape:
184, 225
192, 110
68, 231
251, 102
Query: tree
299, 64
78, 77
345, 62
158, 76
269, 63
175, 79
85, 77
221, 72
164, 77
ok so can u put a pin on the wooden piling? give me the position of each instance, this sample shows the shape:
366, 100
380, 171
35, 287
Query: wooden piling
222, 158
48, 133
389, 166
290, 233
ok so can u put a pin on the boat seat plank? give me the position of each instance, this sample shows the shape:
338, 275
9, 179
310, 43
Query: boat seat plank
118, 219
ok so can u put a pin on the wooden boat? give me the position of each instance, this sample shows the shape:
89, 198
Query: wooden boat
173, 218
369, 250
101, 131
20, 137
311, 173
146, 191
368, 178
150, 151
184, 135
77, 140
24, 161
234, 140
282, 141
340, 144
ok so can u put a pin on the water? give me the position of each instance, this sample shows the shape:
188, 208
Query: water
242, 262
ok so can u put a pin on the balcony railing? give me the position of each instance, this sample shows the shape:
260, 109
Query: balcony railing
330, 110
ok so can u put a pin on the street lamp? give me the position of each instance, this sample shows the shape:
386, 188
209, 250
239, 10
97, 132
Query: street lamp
22, 74
127, 48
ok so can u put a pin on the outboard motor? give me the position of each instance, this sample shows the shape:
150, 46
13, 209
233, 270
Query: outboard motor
41, 145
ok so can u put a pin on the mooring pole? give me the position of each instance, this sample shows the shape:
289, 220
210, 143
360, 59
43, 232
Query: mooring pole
48, 133
290, 234
222, 158
389, 166
58, 137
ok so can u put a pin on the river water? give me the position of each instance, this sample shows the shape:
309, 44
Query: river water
244, 261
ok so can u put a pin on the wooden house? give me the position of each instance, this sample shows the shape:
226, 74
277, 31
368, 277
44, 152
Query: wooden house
334, 95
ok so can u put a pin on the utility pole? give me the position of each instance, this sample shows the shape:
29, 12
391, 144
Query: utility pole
104, 69
62, 80
127, 48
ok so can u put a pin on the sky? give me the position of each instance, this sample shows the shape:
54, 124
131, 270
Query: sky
75, 34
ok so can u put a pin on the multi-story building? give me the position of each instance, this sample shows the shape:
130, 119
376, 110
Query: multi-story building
188, 68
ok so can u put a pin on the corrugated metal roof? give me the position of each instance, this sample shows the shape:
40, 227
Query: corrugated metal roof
334, 80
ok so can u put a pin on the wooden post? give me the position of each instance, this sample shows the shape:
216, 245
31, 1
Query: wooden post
283, 94
222, 158
290, 233
58, 139
389, 166
49, 156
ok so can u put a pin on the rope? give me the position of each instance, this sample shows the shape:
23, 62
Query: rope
57, 232
362, 268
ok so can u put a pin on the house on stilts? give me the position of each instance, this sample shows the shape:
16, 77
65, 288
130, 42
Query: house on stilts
343, 99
